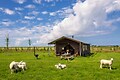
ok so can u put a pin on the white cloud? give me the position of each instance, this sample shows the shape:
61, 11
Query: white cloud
48, 0
33, 13
85, 19
68, 11
19, 8
25, 22
29, 17
6, 22
8, 11
114, 6
52, 13
44, 12
64, 12
37, 1
19, 41
20, 36
22, 21
20, 1
30, 6
1, 9
39, 19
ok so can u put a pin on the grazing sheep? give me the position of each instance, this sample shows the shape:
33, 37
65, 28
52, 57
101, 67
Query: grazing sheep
106, 62
60, 66
14, 66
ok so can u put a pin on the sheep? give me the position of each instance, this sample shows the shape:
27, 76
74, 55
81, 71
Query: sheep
60, 66
13, 66
16, 66
106, 62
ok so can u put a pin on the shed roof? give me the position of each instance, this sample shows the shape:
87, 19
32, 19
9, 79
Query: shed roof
63, 37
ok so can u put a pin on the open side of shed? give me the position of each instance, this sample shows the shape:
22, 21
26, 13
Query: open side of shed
75, 47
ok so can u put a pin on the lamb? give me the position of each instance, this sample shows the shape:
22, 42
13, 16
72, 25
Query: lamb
60, 66
106, 62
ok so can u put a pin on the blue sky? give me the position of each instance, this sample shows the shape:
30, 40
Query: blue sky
92, 21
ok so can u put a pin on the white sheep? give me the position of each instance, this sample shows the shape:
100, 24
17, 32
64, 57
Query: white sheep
16, 66
13, 66
60, 66
106, 62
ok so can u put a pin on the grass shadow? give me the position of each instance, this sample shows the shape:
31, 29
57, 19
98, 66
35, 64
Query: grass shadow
113, 68
92, 54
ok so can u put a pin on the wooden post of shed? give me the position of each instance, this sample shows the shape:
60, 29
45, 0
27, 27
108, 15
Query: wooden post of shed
80, 49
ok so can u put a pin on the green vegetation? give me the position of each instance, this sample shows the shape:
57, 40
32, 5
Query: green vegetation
81, 68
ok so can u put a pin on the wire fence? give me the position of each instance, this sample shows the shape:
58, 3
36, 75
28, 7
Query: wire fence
23, 49
92, 49
105, 48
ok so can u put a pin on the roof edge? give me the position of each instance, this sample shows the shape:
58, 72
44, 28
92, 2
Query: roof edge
63, 37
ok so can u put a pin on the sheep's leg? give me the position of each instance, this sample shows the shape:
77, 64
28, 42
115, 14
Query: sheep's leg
68, 59
11, 71
110, 67
23, 68
101, 66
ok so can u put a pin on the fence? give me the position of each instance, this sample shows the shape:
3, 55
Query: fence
105, 48
22, 49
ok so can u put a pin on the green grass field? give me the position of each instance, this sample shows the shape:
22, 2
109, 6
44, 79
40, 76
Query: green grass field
81, 68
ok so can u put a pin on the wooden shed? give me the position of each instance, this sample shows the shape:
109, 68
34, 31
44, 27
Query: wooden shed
75, 47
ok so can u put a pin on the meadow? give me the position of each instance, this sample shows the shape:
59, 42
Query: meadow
81, 68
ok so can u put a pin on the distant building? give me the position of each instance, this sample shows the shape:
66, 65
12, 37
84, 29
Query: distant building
75, 47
